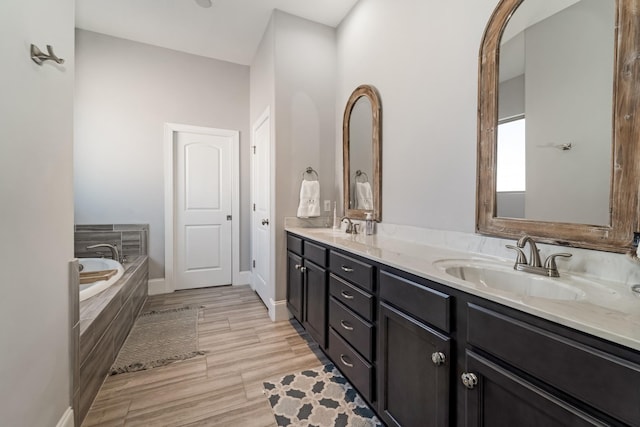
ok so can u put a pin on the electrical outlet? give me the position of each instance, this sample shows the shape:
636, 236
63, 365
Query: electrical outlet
327, 205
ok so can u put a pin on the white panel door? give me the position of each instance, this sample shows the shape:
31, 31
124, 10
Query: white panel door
261, 248
203, 196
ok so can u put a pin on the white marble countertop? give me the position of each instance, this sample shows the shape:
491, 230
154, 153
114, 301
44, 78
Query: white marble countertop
615, 318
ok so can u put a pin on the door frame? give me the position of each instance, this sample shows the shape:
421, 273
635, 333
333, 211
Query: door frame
170, 129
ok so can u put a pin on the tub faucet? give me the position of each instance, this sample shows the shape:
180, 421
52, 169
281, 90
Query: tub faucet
114, 250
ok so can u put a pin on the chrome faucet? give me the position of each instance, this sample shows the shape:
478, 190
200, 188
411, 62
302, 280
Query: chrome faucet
114, 250
351, 227
534, 265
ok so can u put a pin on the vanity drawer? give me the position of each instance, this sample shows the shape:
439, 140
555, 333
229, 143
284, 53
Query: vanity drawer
315, 253
352, 297
603, 381
423, 303
355, 330
294, 244
357, 370
357, 272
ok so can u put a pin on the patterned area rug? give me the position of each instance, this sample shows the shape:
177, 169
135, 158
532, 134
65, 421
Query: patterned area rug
158, 338
318, 397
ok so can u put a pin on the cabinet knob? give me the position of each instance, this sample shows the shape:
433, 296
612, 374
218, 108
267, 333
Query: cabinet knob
469, 380
303, 269
298, 266
438, 358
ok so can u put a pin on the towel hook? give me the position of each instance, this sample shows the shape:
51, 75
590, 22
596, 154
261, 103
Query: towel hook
359, 174
39, 57
310, 171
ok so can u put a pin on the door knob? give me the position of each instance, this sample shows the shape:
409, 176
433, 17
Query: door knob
265, 222
438, 358
469, 380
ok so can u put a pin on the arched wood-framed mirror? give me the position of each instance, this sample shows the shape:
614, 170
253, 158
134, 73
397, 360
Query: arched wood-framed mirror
361, 153
613, 230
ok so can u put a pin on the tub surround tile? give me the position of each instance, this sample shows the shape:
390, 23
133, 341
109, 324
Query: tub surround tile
74, 329
112, 297
414, 250
94, 370
93, 227
84, 239
105, 322
130, 227
131, 239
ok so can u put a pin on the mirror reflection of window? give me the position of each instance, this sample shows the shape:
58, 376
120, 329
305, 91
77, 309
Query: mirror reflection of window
556, 67
511, 176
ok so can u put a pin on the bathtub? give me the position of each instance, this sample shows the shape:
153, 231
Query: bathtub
96, 264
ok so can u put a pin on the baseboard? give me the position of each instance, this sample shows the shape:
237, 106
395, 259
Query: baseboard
278, 310
157, 287
243, 278
67, 419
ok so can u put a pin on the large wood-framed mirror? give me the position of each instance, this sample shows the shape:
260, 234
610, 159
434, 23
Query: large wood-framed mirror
565, 74
361, 153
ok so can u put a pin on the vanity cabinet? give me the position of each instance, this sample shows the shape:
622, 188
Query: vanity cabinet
528, 372
307, 288
498, 397
314, 317
422, 353
295, 278
414, 358
352, 321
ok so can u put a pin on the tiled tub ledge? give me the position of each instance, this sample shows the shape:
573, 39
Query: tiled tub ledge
105, 322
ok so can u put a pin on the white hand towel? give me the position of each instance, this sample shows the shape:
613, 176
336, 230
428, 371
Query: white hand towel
309, 199
364, 196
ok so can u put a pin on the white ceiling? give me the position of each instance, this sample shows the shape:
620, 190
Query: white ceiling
230, 30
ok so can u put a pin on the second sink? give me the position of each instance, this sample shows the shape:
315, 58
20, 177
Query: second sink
502, 277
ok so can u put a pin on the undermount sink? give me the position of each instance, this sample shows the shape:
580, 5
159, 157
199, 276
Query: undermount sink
503, 277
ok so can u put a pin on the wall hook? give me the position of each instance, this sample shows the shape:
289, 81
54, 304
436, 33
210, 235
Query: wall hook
39, 57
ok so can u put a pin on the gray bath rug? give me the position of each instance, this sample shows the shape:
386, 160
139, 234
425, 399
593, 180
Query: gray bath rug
158, 338
318, 397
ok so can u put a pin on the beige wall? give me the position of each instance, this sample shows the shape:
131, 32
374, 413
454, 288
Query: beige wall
36, 227
125, 92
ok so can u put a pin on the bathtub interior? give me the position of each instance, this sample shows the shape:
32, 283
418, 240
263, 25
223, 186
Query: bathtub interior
98, 264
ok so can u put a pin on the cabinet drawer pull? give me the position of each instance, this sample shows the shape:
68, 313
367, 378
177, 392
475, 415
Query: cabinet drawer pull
342, 359
469, 380
347, 269
438, 358
346, 295
346, 325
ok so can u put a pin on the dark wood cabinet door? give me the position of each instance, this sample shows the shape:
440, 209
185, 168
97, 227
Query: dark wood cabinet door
413, 389
294, 285
500, 398
315, 302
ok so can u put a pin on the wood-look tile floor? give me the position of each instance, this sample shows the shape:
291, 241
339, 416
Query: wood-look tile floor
221, 388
